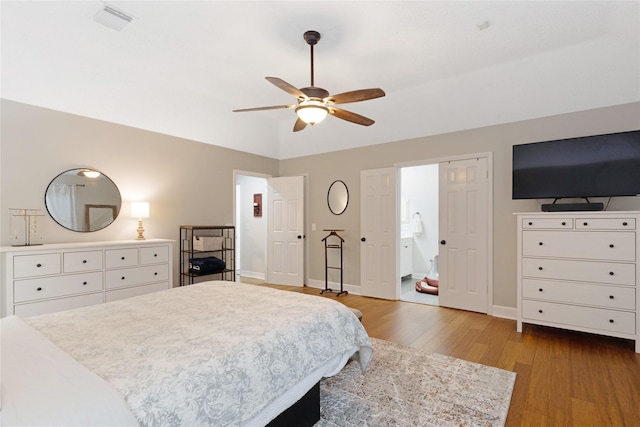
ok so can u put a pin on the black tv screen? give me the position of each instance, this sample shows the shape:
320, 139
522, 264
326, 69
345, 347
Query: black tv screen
593, 166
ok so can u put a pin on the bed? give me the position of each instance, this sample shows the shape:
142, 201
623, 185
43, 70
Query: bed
214, 353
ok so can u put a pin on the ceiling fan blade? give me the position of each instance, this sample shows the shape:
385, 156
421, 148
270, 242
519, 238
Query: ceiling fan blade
351, 117
299, 125
356, 96
290, 89
275, 107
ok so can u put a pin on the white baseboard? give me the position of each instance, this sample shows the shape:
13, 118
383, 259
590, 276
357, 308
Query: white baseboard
252, 274
319, 284
505, 312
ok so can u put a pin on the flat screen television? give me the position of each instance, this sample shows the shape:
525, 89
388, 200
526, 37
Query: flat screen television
592, 166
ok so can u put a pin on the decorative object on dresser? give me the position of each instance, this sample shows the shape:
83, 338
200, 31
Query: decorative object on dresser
83, 200
140, 210
207, 252
579, 271
25, 230
55, 277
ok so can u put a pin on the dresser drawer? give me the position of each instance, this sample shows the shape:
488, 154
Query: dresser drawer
116, 258
581, 271
616, 297
51, 287
36, 265
575, 316
134, 291
136, 276
154, 255
51, 306
75, 262
606, 223
617, 246
540, 223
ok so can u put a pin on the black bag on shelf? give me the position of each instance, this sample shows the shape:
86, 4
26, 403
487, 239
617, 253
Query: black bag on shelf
208, 265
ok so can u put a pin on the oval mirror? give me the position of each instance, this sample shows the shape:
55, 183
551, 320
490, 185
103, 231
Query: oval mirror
338, 197
83, 200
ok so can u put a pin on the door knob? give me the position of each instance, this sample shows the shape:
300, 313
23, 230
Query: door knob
364, 239
443, 242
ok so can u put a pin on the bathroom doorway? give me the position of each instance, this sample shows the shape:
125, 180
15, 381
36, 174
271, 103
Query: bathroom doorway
419, 233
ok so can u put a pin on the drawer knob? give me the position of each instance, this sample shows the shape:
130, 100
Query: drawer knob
611, 245
625, 223
611, 273
122, 278
38, 265
585, 223
540, 268
122, 258
530, 223
84, 283
39, 289
540, 290
155, 274
611, 297
540, 311
564, 223
610, 320
155, 255
540, 243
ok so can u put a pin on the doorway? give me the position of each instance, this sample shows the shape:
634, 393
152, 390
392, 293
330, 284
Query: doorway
419, 219
445, 221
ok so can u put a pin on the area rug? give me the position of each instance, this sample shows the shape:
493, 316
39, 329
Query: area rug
406, 387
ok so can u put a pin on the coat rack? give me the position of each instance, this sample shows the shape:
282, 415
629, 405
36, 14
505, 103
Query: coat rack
333, 235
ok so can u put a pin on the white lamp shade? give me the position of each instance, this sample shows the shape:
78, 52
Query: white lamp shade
311, 112
139, 209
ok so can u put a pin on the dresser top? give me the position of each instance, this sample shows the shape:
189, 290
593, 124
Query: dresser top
85, 245
580, 213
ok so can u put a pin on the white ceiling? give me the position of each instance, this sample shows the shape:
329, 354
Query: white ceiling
180, 67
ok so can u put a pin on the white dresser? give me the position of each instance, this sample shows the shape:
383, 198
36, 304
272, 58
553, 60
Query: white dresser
579, 271
48, 278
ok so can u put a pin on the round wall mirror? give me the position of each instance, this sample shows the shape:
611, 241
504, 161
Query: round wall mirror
338, 197
83, 200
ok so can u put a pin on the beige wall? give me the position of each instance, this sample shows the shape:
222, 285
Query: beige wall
346, 165
187, 182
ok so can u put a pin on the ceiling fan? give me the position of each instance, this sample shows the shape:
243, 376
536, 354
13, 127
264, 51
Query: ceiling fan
315, 103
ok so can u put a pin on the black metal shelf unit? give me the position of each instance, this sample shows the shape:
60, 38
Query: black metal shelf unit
202, 243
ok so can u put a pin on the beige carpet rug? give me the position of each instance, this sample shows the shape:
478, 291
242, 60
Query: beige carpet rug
406, 387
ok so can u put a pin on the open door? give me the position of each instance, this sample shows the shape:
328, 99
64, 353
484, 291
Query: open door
378, 256
285, 231
464, 224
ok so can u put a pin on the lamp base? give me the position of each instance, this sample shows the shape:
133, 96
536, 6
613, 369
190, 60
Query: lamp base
140, 231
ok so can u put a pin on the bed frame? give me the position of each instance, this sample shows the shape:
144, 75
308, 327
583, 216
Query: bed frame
304, 413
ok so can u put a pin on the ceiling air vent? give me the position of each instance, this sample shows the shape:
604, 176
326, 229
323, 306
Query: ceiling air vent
112, 18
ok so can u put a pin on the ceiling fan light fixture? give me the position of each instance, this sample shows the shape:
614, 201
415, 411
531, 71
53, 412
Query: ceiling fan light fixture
312, 112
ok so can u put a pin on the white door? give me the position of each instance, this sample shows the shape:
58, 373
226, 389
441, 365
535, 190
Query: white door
378, 258
463, 231
285, 231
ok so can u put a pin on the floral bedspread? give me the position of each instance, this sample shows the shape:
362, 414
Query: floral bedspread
214, 353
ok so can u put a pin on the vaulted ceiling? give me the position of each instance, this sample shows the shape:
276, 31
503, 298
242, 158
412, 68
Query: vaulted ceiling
181, 67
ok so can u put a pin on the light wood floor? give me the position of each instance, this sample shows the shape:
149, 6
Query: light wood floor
564, 378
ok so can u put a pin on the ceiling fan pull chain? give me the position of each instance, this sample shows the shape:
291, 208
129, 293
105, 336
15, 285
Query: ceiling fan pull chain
312, 85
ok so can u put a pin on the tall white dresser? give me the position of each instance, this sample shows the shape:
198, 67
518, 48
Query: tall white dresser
48, 278
579, 271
